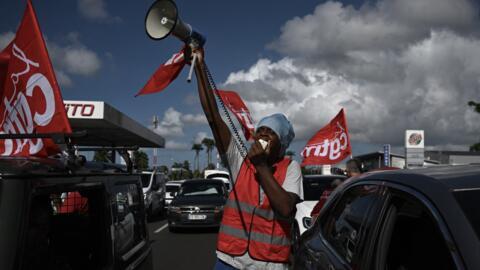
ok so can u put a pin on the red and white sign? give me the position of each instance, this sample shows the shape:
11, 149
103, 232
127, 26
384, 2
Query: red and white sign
329, 145
31, 99
164, 75
236, 105
84, 109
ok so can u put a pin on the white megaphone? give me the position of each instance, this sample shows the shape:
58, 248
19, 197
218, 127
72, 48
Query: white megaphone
162, 20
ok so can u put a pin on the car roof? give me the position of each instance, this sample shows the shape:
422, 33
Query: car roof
320, 176
448, 176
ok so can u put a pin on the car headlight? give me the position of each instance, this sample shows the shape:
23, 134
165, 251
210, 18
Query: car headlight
174, 209
218, 209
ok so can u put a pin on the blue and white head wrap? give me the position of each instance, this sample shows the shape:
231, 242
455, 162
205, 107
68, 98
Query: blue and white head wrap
279, 123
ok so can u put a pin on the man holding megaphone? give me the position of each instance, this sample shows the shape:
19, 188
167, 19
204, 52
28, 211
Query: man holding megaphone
255, 232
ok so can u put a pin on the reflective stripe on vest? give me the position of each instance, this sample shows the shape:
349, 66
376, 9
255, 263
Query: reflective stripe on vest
247, 208
256, 236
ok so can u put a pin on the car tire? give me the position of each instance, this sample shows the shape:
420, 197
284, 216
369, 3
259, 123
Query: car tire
295, 237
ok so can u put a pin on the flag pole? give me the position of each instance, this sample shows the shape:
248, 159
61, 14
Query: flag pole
189, 78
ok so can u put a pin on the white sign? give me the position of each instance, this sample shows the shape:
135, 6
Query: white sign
414, 139
84, 109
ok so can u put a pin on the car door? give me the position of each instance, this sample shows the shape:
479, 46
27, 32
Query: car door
341, 233
413, 235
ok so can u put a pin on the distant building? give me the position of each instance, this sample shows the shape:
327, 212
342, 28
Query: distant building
453, 157
375, 160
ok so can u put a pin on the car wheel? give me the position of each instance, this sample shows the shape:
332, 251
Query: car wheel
295, 237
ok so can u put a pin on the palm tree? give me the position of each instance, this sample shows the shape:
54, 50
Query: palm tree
209, 144
197, 148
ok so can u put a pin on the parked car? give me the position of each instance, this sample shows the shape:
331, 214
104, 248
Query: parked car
199, 203
407, 219
172, 188
153, 183
54, 216
220, 175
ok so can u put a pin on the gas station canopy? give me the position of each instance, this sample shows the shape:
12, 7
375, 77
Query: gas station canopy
106, 126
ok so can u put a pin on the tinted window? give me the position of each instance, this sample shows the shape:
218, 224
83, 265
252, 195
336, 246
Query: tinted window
469, 201
314, 186
416, 241
215, 175
173, 188
201, 189
146, 179
344, 225
128, 217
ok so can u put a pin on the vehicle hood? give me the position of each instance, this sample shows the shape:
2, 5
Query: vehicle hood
198, 200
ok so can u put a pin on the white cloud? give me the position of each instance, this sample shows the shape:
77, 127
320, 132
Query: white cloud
95, 10
63, 79
5, 39
199, 137
173, 145
389, 68
173, 123
196, 119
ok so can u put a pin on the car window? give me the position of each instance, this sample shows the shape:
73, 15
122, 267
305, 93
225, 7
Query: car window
128, 217
345, 224
201, 189
415, 241
313, 187
469, 201
146, 179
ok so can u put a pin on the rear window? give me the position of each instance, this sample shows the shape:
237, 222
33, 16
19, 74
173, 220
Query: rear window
314, 186
173, 188
469, 201
146, 179
217, 175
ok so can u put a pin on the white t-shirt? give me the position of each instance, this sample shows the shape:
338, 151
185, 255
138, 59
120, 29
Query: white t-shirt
292, 183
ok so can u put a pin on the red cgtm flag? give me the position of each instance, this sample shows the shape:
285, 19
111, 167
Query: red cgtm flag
165, 74
329, 145
30, 96
236, 105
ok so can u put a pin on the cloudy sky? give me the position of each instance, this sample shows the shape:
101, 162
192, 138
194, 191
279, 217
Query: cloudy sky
391, 64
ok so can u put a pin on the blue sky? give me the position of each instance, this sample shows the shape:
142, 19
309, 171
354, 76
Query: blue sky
391, 64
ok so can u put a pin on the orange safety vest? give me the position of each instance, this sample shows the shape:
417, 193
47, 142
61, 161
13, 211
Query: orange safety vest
248, 226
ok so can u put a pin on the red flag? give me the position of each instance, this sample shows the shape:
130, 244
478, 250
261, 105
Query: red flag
165, 74
329, 145
31, 99
236, 105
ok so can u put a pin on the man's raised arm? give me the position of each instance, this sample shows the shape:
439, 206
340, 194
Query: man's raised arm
220, 130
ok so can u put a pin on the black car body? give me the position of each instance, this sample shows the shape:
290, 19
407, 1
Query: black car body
53, 217
407, 219
199, 203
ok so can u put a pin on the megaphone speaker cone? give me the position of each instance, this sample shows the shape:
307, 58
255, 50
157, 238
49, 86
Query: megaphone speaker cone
161, 19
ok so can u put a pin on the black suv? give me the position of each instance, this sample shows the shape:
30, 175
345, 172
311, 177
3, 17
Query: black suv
53, 217
407, 219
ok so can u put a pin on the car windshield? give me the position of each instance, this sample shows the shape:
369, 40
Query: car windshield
217, 175
314, 186
469, 201
146, 179
201, 189
172, 188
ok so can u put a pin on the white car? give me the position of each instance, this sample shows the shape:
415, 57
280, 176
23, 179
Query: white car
172, 188
220, 175
313, 187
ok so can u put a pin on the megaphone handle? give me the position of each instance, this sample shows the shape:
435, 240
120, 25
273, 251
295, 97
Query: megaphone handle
189, 78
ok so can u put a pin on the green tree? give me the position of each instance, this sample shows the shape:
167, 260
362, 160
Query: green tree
101, 156
197, 148
209, 145
140, 160
476, 107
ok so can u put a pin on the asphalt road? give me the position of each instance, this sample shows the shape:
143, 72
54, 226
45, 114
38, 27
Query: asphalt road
186, 249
